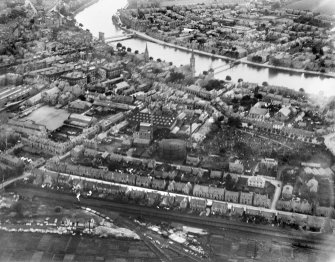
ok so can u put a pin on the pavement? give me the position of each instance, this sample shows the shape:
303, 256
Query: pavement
11, 181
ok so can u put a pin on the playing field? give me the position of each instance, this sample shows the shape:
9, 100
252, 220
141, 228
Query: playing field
49, 116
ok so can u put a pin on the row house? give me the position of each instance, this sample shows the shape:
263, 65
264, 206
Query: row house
253, 212
165, 174
295, 206
152, 198
158, 184
198, 91
238, 211
219, 207
143, 181
185, 188
11, 161
93, 173
231, 196
246, 198
324, 211
56, 72
198, 204
47, 145
28, 128
123, 178
135, 194
261, 201
216, 174
209, 192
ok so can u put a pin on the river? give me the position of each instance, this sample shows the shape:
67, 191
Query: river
97, 18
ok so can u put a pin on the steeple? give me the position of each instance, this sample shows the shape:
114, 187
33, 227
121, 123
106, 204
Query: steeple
192, 63
146, 54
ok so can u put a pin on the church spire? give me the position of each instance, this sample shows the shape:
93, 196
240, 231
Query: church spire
146, 54
192, 63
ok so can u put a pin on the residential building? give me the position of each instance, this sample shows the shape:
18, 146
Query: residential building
246, 198
198, 204
75, 78
78, 106
262, 201
256, 181
112, 70
231, 196
10, 161
28, 128
219, 208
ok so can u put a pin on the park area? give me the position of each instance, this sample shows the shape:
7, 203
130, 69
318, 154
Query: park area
48, 116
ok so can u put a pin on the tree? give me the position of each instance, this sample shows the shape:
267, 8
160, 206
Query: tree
176, 76
314, 50
259, 96
256, 90
234, 122
81, 25
302, 90
136, 52
213, 84
229, 182
18, 208
159, 60
228, 78
118, 45
129, 50
265, 83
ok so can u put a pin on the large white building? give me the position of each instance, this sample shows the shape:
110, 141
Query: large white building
256, 181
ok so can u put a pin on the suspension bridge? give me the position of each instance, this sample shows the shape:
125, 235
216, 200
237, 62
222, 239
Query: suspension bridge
225, 67
118, 38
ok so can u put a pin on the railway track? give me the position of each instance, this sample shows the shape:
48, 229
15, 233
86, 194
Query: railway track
317, 241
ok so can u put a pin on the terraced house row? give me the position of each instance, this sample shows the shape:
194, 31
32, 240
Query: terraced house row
203, 191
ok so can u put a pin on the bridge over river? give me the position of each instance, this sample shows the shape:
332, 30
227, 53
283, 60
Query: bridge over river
118, 38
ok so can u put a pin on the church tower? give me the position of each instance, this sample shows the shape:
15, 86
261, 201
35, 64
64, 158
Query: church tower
146, 54
192, 63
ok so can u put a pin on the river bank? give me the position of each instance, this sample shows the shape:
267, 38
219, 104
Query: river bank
311, 83
242, 60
